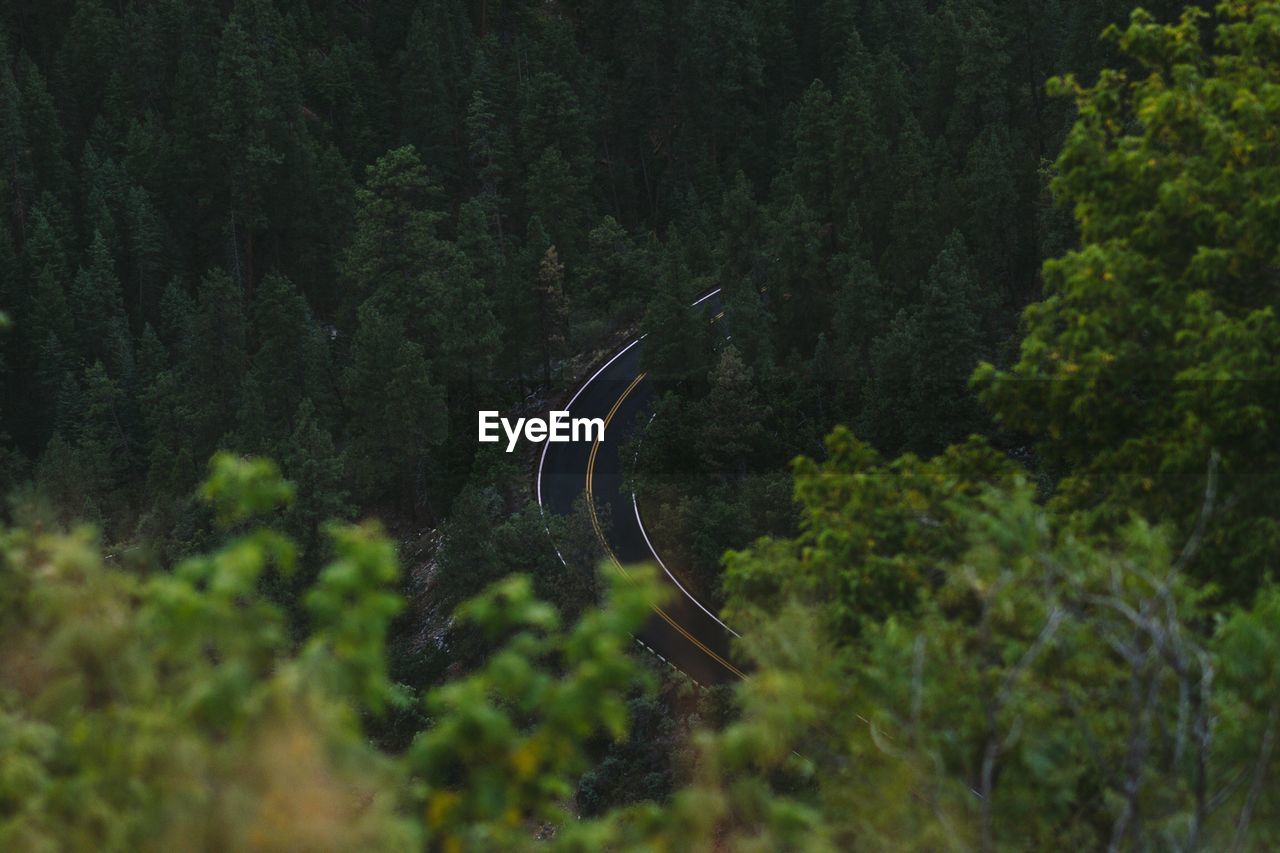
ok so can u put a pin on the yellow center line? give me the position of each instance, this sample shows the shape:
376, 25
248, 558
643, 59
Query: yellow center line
595, 522
591, 462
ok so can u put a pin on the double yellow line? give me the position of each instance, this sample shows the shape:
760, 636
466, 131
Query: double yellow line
595, 522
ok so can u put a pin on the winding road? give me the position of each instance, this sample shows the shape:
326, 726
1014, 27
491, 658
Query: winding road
683, 632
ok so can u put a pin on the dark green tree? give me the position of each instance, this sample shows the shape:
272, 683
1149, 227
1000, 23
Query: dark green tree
396, 413
394, 244
916, 397
552, 308
97, 309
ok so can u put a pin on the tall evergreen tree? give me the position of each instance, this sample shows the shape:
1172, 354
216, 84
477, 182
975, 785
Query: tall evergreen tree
97, 309
394, 243
214, 364
396, 413
917, 397
553, 309
251, 128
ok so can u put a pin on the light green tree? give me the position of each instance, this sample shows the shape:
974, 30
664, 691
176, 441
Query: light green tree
1156, 342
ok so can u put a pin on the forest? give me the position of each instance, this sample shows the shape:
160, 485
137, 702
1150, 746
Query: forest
978, 453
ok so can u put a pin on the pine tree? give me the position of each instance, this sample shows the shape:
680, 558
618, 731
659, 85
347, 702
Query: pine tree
862, 190
477, 238
93, 43
731, 430
996, 220
46, 314
468, 553
247, 133
104, 199
289, 360
215, 363
396, 412
433, 67
551, 119
555, 195
466, 332
97, 310
677, 347
147, 244
916, 211
18, 181
395, 238
176, 325
489, 144
553, 309
43, 131
609, 279
312, 463
741, 247
862, 311
950, 317
153, 359
106, 434
917, 397
799, 295
813, 138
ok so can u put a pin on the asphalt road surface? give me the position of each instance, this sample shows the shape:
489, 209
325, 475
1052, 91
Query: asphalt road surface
682, 631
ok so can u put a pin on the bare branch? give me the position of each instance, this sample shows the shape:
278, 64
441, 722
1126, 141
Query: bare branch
1135, 760
1029, 656
1255, 787
1202, 520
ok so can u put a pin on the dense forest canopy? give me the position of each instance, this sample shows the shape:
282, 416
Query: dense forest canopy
986, 428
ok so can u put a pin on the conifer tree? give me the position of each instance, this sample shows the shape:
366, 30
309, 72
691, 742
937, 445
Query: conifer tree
147, 244
677, 348
733, 418
247, 130
97, 309
466, 332
797, 276
43, 130
434, 66
289, 360
556, 196
214, 364
396, 412
917, 398
394, 243
45, 328
553, 308
91, 46
18, 183
317, 469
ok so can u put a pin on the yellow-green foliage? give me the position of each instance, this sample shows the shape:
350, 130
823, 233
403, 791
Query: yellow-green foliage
174, 711
1157, 340
872, 532
1048, 687
170, 711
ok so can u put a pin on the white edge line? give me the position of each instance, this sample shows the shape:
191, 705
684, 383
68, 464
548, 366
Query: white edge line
674, 580
542, 460
706, 296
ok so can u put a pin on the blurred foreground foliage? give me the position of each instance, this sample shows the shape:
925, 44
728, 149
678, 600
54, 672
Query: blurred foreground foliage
174, 710
1010, 680
940, 660
1038, 684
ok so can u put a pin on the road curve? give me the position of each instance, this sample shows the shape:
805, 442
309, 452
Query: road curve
683, 632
